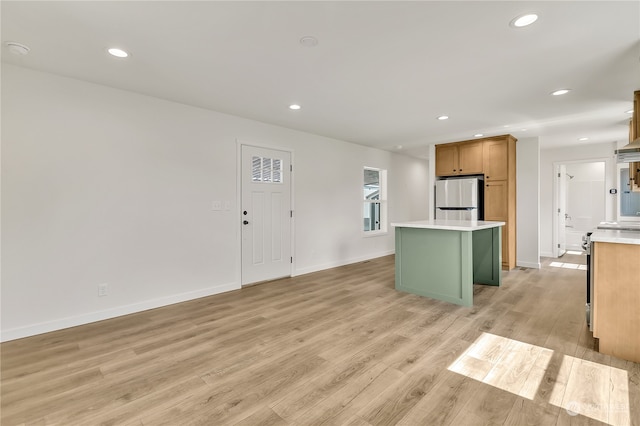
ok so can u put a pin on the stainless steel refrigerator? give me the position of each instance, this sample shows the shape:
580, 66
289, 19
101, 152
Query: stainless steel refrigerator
459, 199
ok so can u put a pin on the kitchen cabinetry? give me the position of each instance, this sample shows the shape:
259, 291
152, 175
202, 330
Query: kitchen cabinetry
499, 165
459, 159
495, 157
616, 317
446, 160
496, 200
496, 160
442, 259
496, 207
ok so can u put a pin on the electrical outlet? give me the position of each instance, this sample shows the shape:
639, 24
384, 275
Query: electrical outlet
103, 289
216, 206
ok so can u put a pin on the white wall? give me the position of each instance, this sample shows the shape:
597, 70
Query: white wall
549, 157
106, 186
528, 202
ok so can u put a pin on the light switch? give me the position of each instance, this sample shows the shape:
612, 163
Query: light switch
227, 205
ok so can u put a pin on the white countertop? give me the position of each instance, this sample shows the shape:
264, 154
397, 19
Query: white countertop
450, 225
613, 236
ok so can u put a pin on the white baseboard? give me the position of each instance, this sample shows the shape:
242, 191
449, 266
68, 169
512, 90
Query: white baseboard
335, 264
547, 254
534, 265
62, 323
59, 324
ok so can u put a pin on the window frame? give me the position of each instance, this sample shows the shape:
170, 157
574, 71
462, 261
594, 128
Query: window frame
381, 201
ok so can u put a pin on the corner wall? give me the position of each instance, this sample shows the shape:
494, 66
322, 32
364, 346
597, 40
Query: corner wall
528, 203
101, 185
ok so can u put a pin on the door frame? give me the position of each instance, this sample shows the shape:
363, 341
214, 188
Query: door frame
238, 210
560, 188
556, 192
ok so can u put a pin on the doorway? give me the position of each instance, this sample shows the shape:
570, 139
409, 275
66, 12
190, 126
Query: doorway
265, 214
580, 202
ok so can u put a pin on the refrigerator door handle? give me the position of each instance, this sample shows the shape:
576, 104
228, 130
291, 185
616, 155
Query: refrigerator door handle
457, 208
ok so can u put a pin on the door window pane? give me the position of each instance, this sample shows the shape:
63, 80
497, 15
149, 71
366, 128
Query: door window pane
277, 170
256, 169
266, 170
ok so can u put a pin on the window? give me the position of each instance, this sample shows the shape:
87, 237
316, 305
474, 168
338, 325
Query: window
629, 201
375, 200
268, 170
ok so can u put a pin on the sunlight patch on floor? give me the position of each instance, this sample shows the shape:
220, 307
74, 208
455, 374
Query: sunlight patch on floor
582, 387
575, 252
568, 265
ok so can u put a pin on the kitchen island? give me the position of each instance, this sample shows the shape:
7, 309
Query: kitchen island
442, 259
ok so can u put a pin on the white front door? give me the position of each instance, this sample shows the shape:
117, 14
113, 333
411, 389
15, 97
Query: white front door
265, 214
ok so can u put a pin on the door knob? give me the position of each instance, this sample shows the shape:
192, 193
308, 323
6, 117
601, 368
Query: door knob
246, 222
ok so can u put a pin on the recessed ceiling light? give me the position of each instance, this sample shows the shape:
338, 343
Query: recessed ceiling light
17, 48
309, 41
443, 117
560, 92
524, 20
118, 53
583, 139
629, 112
478, 135
524, 130
294, 106
398, 146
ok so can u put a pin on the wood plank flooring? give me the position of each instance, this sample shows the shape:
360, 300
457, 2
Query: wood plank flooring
337, 347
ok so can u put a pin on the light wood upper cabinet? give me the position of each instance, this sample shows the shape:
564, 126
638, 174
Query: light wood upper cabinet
456, 159
470, 158
496, 159
447, 160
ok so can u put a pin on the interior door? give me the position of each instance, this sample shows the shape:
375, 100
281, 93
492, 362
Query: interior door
562, 209
265, 214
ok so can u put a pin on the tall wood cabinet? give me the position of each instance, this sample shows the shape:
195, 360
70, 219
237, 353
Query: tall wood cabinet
495, 158
500, 191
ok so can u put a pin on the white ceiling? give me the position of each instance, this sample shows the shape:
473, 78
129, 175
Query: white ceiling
380, 75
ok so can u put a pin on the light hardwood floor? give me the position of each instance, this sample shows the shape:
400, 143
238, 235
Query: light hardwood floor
337, 347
